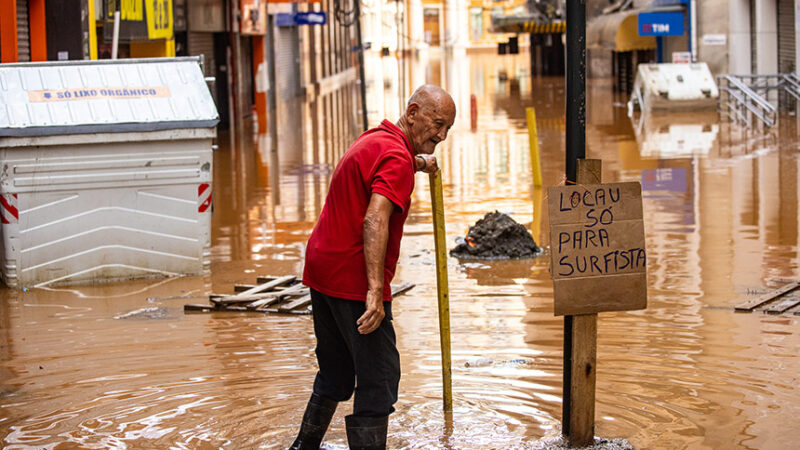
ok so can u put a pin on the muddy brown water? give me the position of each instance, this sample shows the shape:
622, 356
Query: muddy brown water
721, 219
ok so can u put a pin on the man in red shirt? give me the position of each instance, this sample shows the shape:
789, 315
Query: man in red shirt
350, 261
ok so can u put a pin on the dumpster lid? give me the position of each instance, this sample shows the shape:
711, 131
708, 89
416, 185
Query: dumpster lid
104, 96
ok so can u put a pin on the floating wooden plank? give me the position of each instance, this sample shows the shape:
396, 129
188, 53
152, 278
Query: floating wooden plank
297, 289
264, 303
397, 290
766, 298
783, 305
269, 285
302, 301
244, 287
275, 295
198, 308
223, 300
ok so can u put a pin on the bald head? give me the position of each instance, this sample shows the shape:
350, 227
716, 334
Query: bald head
431, 95
428, 117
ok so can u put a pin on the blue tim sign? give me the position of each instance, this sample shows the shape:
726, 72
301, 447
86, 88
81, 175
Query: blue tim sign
301, 18
311, 18
661, 24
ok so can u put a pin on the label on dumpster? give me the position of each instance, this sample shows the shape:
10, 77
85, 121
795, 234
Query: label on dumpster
597, 251
58, 95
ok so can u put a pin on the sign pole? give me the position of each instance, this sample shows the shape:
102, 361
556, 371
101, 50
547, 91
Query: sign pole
441, 287
578, 422
575, 149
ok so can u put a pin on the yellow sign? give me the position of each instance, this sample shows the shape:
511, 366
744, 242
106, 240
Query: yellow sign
58, 95
130, 10
159, 19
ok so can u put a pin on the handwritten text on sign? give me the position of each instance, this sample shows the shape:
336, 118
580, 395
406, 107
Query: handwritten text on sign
57, 95
597, 250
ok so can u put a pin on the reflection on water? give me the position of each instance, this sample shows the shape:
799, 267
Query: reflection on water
721, 217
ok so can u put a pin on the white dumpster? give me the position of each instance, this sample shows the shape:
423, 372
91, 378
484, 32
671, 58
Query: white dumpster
673, 87
105, 170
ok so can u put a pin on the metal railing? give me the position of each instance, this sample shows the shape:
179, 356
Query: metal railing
744, 97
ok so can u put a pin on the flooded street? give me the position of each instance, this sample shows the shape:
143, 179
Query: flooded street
721, 220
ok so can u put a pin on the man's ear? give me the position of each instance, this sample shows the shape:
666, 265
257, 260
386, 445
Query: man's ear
411, 112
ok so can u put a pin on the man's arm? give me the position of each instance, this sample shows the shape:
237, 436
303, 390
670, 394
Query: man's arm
376, 235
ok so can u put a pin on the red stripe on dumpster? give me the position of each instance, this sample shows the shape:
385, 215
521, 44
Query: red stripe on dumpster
204, 196
10, 214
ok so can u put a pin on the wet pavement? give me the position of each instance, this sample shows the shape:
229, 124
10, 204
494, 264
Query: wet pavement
121, 365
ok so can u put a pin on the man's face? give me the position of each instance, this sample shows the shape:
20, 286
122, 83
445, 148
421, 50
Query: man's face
430, 126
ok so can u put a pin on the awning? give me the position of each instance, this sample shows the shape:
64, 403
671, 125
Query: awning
617, 32
529, 26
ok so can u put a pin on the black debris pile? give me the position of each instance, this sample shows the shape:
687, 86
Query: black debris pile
496, 236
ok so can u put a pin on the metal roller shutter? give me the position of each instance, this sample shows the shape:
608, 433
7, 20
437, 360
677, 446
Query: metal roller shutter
287, 62
786, 46
203, 44
23, 35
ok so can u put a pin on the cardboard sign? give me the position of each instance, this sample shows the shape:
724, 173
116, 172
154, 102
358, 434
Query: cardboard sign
597, 251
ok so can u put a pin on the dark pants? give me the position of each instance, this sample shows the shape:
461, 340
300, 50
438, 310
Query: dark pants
368, 363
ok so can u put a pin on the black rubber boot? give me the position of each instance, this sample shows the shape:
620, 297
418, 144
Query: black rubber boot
366, 433
316, 419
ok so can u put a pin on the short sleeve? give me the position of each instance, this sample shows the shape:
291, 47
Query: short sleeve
393, 177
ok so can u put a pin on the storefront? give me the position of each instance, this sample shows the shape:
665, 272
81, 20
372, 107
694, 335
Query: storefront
618, 40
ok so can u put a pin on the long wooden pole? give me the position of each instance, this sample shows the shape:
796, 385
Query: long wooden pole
580, 351
441, 287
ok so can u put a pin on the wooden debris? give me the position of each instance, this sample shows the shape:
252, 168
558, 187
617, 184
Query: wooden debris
774, 302
272, 294
783, 305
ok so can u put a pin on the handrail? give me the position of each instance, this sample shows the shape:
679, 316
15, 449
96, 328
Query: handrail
745, 98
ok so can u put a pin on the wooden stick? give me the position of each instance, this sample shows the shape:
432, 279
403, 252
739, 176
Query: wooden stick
437, 202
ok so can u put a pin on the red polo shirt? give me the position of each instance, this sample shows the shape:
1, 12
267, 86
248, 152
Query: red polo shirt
379, 161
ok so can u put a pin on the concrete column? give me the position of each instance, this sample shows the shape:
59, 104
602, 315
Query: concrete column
739, 37
416, 30
766, 36
456, 28
797, 36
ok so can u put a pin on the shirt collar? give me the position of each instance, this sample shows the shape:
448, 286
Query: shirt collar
394, 129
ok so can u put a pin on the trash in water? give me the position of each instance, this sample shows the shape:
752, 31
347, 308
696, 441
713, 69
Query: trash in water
496, 236
482, 362
145, 313
478, 362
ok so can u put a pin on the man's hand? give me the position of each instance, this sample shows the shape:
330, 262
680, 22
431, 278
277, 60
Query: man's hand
373, 316
426, 163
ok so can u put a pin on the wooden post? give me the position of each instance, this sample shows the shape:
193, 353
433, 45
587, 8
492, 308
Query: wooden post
441, 287
580, 352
